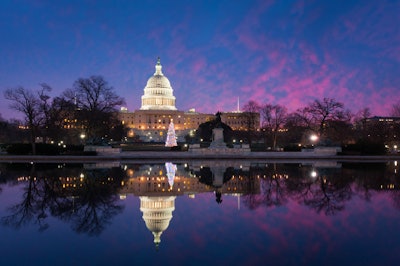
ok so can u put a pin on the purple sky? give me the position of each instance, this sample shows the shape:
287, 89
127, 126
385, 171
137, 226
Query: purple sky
280, 52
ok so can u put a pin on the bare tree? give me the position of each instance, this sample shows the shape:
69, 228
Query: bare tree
61, 113
274, 117
395, 110
96, 103
3, 129
323, 111
360, 121
363, 114
296, 125
94, 94
26, 102
251, 114
45, 108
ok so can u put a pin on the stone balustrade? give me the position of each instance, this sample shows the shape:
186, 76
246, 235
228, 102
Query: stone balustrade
103, 150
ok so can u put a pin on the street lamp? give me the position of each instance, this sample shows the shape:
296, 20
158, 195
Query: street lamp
313, 137
82, 136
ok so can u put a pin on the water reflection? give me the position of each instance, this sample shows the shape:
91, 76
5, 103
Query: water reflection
157, 214
228, 177
88, 197
85, 198
171, 169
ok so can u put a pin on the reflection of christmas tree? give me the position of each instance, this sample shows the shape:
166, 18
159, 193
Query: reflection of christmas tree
171, 169
171, 137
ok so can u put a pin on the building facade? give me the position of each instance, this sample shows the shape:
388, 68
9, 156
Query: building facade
158, 109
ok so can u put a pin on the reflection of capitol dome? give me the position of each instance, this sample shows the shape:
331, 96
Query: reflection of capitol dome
157, 213
158, 93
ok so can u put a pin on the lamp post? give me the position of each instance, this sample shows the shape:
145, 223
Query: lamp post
313, 139
82, 136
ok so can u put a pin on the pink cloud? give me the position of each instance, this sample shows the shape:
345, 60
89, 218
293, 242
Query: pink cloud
308, 55
199, 65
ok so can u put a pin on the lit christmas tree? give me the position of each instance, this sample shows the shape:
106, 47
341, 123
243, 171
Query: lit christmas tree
171, 137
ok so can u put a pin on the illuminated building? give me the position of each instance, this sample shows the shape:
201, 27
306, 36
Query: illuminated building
150, 122
385, 129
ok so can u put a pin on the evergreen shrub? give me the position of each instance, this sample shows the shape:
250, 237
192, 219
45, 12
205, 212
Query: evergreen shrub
365, 147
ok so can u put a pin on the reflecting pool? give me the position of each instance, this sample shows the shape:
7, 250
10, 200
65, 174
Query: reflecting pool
200, 213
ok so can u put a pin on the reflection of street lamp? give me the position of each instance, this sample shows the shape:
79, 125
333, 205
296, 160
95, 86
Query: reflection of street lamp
313, 174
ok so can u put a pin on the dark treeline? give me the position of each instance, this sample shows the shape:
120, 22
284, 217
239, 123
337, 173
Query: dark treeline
323, 122
88, 112
85, 112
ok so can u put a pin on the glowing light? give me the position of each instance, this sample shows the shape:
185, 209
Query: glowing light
313, 138
313, 174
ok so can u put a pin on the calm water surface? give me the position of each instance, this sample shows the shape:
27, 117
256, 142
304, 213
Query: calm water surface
200, 213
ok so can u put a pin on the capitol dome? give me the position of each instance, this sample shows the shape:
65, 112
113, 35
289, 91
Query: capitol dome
158, 93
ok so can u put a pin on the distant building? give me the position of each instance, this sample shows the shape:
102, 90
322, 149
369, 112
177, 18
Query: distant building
150, 122
388, 120
386, 129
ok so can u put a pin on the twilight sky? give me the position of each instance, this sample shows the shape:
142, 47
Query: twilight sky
212, 51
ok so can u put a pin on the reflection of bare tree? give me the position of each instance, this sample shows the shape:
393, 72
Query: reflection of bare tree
395, 195
328, 195
29, 210
273, 187
89, 205
252, 199
322, 189
364, 192
369, 178
395, 185
366, 177
95, 205
2, 179
327, 192
24, 212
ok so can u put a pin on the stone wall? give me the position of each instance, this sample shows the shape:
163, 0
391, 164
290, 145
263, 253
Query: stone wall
243, 149
102, 150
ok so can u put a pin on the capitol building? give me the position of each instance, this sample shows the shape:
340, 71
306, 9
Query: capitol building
150, 122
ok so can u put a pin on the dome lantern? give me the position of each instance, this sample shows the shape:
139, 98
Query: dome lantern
158, 68
158, 93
